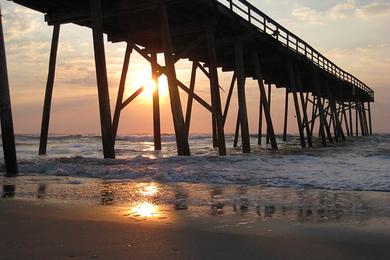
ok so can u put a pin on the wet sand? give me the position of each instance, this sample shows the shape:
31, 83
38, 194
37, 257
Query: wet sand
60, 221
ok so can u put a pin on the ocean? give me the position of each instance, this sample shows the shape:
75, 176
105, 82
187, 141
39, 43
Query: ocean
358, 164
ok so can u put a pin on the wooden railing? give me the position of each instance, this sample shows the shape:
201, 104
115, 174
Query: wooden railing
269, 26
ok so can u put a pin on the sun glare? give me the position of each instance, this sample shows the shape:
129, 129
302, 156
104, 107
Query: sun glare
145, 210
144, 79
149, 190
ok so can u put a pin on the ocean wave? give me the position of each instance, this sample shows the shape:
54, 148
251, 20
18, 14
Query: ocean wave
357, 164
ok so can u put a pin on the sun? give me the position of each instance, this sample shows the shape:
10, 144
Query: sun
144, 78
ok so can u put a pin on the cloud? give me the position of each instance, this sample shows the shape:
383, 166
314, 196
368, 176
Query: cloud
307, 14
370, 63
342, 11
374, 10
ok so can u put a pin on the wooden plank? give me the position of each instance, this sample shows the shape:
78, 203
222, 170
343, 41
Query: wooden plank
102, 81
7, 126
239, 68
49, 91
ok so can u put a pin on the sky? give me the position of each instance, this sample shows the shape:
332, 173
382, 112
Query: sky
353, 34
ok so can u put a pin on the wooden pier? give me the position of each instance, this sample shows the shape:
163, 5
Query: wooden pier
229, 34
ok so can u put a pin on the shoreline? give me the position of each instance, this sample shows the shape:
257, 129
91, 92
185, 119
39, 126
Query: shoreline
62, 218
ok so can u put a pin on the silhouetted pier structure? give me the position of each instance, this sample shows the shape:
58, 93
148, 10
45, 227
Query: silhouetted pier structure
229, 34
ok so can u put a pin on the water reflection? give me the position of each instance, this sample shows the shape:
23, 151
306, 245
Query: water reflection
145, 210
181, 198
158, 201
107, 195
243, 203
41, 193
217, 201
148, 189
8, 191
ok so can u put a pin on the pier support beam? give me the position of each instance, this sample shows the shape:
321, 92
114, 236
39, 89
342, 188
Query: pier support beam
303, 105
7, 127
243, 114
121, 90
292, 80
285, 115
183, 147
102, 81
215, 95
369, 117
265, 102
267, 140
190, 99
156, 105
49, 91
324, 128
350, 118
260, 132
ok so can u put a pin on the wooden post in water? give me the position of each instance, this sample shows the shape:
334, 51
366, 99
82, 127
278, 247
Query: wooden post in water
269, 109
361, 118
239, 67
237, 131
369, 117
285, 116
303, 105
350, 118
156, 104
7, 126
260, 119
190, 97
366, 129
296, 103
102, 81
323, 124
183, 147
357, 117
344, 113
338, 128
265, 102
121, 90
215, 95
49, 91
313, 114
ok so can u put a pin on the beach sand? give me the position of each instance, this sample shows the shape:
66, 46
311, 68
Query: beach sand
51, 227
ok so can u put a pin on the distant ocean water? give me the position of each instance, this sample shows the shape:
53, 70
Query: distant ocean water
360, 163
